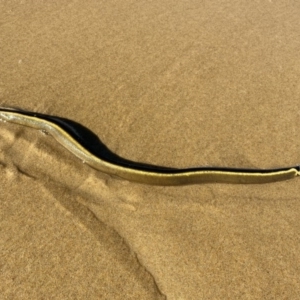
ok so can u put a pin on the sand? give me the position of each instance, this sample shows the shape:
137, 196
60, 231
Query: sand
172, 83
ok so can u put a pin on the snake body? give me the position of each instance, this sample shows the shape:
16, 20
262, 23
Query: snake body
61, 130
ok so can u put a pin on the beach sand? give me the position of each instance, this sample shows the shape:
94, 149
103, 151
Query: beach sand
171, 83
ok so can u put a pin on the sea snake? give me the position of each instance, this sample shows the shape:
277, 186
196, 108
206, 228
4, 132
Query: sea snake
66, 135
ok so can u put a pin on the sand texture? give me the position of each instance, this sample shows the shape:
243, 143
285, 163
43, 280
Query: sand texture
171, 83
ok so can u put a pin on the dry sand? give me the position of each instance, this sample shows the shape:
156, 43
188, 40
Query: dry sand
174, 83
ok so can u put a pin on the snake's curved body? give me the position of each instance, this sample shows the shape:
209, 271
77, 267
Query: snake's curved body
156, 176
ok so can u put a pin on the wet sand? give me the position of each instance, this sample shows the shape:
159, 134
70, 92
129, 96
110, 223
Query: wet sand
178, 84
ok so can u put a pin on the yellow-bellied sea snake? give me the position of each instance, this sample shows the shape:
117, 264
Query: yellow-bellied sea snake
63, 132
